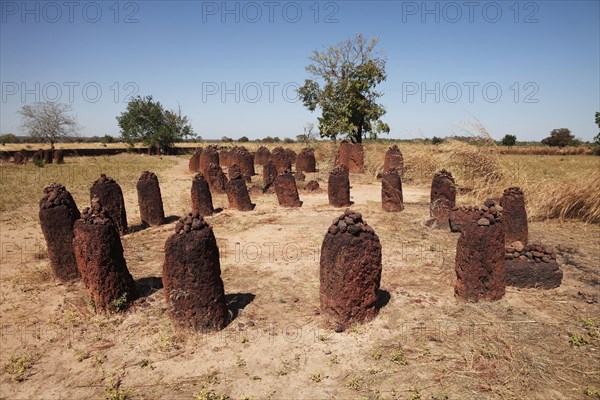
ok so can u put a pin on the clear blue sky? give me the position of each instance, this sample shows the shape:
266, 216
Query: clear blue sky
544, 57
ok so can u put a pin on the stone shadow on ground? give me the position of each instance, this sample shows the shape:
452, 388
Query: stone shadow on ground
238, 301
383, 298
148, 285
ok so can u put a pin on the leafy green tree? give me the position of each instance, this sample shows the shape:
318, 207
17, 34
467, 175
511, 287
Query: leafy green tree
226, 139
48, 121
509, 140
108, 139
243, 139
146, 121
560, 137
345, 77
437, 140
8, 138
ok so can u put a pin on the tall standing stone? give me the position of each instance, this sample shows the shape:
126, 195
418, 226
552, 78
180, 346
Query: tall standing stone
59, 157
350, 271
305, 160
201, 196
262, 156
480, 270
391, 191
58, 213
352, 156
216, 178
281, 160
443, 197
209, 155
338, 187
237, 194
514, 216
150, 199
286, 190
393, 159
38, 156
48, 155
192, 276
194, 164
110, 195
99, 254
269, 174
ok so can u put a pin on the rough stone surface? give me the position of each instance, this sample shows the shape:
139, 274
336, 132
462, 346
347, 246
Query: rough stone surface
305, 160
269, 174
48, 156
281, 160
110, 195
391, 191
262, 156
352, 156
393, 159
58, 213
99, 254
209, 155
201, 196
338, 187
299, 176
527, 273
480, 271
150, 199
225, 156
514, 216
237, 194
38, 156
18, 158
245, 160
290, 155
194, 164
216, 178
286, 190
312, 186
192, 276
233, 170
59, 156
443, 197
350, 271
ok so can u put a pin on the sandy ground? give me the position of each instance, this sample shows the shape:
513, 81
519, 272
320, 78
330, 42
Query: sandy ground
423, 344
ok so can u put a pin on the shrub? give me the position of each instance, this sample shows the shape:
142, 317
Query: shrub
559, 137
243, 139
437, 140
226, 139
509, 140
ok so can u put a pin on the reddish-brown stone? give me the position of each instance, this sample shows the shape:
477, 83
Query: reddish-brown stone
38, 156
459, 218
192, 276
391, 191
269, 174
262, 156
233, 170
216, 178
532, 266
393, 159
480, 270
58, 213
18, 158
99, 254
201, 196
350, 271
352, 156
281, 159
514, 216
48, 155
290, 155
312, 186
237, 194
209, 155
286, 190
150, 199
245, 160
59, 157
110, 195
194, 164
443, 197
224, 156
338, 187
305, 161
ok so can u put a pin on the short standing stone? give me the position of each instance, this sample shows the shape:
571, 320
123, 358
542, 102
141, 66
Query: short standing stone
110, 195
59, 156
514, 216
305, 160
480, 271
48, 156
262, 155
393, 159
269, 174
18, 158
201, 196
150, 199
286, 190
245, 160
194, 164
38, 156
216, 178
338, 187
350, 272
99, 255
233, 170
443, 197
58, 213
237, 194
192, 276
209, 155
281, 159
352, 156
391, 191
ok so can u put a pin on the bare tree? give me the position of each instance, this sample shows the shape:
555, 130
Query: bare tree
48, 121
